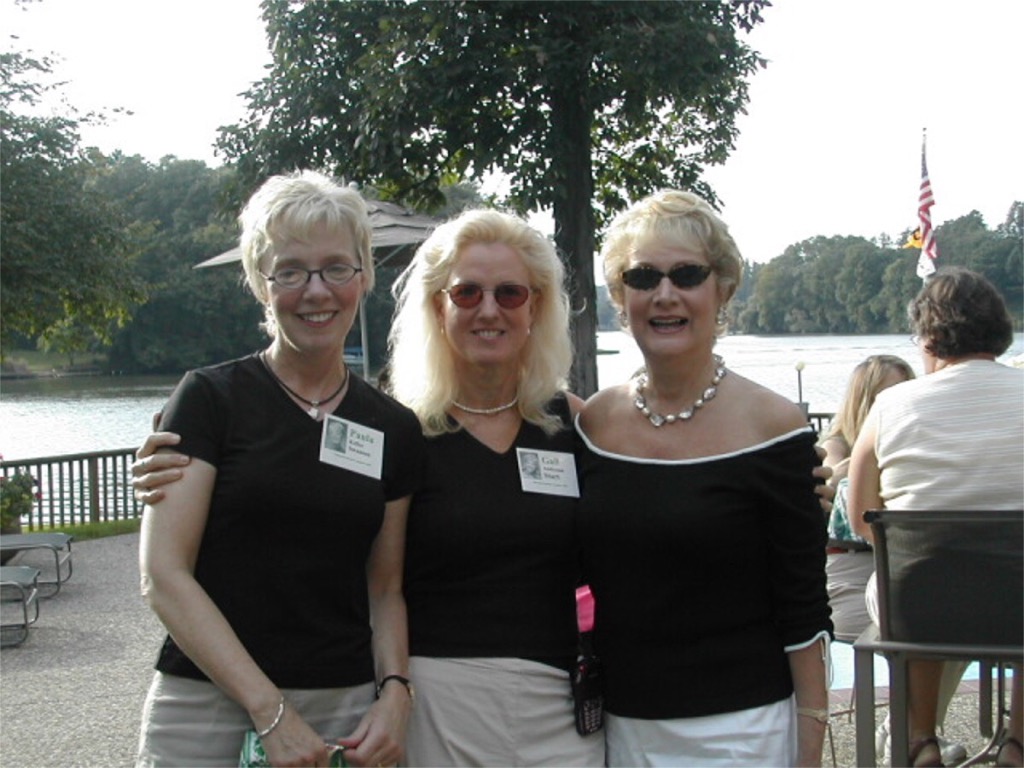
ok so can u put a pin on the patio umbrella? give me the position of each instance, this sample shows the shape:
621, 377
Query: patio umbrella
394, 229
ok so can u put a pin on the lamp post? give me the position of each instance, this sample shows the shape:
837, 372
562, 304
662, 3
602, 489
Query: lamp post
805, 407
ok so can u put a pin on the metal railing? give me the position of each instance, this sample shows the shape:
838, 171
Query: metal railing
78, 488
820, 421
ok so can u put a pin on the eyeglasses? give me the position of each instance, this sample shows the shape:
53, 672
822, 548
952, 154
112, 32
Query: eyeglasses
469, 295
291, 278
649, 278
915, 339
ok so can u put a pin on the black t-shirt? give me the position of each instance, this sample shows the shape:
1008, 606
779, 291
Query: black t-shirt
491, 570
284, 550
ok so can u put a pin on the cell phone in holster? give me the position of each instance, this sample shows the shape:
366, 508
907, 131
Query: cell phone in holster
588, 692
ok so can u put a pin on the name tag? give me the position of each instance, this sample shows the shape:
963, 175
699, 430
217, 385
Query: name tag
352, 446
551, 472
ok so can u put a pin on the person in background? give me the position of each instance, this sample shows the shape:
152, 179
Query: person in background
850, 561
278, 573
703, 540
952, 439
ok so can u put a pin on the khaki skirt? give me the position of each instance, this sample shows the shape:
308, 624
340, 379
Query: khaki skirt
486, 712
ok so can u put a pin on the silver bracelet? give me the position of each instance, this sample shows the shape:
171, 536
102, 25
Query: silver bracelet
277, 720
821, 715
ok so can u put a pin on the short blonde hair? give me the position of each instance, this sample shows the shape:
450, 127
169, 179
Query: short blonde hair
677, 219
422, 364
288, 208
864, 386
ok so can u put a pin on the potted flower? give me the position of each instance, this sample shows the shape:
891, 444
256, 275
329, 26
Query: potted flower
17, 492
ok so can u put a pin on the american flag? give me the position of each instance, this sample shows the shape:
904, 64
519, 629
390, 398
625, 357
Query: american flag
925, 201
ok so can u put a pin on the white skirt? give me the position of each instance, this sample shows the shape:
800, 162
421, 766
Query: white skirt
758, 737
488, 712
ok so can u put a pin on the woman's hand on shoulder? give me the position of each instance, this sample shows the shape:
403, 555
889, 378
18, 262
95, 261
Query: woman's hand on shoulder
575, 403
155, 466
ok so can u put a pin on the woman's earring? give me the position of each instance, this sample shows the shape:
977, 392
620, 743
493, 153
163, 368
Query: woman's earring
723, 316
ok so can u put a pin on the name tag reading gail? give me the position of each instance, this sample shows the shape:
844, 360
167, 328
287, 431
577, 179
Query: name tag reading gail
352, 446
551, 472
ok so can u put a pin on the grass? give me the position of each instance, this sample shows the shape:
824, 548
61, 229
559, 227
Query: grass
38, 363
86, 531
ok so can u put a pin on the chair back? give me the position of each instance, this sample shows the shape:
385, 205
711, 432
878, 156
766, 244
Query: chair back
951, 577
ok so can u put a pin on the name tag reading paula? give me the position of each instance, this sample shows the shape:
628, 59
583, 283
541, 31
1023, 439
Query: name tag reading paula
551, 472
350, 445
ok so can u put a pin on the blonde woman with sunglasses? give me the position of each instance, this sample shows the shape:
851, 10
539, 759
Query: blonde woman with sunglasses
480, 351
703, 540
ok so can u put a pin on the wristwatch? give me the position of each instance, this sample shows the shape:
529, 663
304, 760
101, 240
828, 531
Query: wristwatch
403, 680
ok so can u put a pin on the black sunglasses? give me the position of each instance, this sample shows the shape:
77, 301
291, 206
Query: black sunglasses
469, 295
649, 278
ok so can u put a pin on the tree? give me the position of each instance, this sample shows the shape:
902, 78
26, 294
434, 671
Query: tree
580, 104
191, 317
65, 273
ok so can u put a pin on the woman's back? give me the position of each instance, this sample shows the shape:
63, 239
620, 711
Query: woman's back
953, 439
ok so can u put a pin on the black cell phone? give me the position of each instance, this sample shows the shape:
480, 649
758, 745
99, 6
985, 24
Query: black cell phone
588, 695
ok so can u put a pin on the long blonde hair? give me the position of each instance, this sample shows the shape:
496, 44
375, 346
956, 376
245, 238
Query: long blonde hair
864, 385
422, 364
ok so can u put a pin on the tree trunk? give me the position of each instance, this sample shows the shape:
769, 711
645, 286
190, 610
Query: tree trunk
571, 119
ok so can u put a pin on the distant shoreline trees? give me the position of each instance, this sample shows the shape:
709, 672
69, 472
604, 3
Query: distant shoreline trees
850, 285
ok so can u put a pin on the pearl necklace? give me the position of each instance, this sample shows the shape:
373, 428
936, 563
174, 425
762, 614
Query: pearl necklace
486, 411
685, 415
314, 405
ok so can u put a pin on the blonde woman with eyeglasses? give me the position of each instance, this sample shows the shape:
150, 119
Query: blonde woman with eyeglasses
275, 561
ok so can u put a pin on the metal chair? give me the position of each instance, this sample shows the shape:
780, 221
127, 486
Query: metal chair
950, 586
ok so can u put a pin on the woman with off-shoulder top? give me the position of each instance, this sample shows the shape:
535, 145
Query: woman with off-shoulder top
703, 539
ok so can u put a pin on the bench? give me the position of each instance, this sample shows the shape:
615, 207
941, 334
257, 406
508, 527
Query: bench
19, 584
58, 544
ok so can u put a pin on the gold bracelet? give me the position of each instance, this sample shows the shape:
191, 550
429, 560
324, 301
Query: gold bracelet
821, 715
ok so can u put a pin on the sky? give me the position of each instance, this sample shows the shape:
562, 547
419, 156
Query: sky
830, 144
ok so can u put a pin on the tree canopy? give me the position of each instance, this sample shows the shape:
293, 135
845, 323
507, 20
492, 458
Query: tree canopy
66, 270
852, 285
581, 105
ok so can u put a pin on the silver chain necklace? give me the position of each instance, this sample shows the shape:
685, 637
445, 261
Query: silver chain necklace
686, 414
486, 411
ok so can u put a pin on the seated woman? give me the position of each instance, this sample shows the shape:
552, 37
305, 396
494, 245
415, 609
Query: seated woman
923, 441
850, 561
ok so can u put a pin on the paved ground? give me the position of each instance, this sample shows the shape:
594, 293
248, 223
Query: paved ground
72, 693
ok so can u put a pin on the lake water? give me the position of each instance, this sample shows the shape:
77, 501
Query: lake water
44, 417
